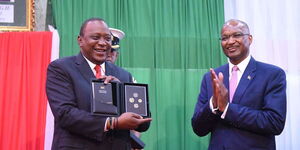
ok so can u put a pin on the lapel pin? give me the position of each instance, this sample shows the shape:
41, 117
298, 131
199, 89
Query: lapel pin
249, 77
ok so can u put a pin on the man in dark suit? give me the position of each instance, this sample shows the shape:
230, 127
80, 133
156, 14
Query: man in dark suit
242, 103
69, 88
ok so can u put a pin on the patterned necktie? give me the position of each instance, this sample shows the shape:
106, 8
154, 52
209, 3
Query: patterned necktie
233, 82
98, 71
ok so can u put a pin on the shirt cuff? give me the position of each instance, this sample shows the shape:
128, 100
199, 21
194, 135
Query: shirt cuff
224, 112
213, 110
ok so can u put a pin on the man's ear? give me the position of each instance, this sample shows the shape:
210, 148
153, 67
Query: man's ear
250, 38
79, 40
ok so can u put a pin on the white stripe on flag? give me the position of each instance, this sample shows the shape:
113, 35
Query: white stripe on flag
49, 116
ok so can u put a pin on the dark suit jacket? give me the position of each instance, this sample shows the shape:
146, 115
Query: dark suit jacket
69, 89
256, 114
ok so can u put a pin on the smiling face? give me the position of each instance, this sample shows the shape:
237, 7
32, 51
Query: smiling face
95, 41
235, 41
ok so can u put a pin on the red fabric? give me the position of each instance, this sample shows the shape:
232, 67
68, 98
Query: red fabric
24, 57
98, 71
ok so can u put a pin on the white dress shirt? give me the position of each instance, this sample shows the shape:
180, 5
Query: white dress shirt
92, 66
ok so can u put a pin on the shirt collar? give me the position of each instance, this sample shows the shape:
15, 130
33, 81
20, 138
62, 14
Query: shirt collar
242, 65
92, 65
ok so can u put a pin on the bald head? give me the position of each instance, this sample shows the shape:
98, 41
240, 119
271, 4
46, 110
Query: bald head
237, 23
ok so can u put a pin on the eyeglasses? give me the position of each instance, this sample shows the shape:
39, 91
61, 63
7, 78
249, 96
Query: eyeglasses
234, 36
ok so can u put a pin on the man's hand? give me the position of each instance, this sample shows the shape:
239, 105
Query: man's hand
220, 92
214, 84
130, 121
223, 93
108, 79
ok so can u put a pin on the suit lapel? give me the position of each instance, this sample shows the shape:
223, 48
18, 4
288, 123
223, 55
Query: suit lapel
109, 69
84, 67
226, 76
246, 79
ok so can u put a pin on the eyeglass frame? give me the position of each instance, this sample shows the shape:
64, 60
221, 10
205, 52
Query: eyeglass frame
237, 35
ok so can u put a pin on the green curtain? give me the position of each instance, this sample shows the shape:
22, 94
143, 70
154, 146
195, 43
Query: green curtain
169, 44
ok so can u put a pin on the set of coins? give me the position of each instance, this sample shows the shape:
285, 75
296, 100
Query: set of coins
132, 100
